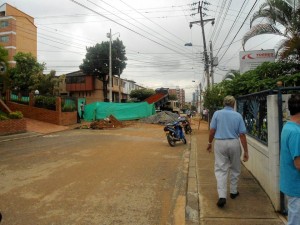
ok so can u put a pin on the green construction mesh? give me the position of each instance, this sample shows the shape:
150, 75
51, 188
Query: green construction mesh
122, 111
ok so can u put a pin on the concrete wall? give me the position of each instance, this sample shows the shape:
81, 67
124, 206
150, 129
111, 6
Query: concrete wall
264, 160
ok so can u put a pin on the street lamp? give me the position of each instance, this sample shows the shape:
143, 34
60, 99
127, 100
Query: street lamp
109, 35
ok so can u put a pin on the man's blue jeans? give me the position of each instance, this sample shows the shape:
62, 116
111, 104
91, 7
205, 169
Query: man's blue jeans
293, 210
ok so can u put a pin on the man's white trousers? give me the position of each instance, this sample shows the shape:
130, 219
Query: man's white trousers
227, 160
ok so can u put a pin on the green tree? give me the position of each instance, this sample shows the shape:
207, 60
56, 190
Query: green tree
4, 78
96, 61
173, 97
47, 84
264, 77
278, 12
27, 73
141, 94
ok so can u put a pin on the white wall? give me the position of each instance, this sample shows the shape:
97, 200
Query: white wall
264, 160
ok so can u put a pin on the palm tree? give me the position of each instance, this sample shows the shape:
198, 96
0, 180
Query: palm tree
278, 12
231, 74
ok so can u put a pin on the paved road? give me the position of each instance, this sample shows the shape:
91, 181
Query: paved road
77, 177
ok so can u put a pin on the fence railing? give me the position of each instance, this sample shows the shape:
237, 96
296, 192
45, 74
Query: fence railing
253, 108
19, 99
68, 104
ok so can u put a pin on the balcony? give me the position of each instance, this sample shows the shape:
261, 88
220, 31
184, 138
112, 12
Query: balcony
80, 83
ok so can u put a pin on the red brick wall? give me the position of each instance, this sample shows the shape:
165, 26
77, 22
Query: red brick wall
12, 126
68, 118
45, 115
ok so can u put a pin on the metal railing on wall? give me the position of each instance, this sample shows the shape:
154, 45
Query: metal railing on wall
253, 108
68, 104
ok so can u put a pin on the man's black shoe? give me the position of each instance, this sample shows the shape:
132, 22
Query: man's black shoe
221, 202
233, 196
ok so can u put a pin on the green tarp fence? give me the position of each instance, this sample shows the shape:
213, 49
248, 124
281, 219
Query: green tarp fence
122, 111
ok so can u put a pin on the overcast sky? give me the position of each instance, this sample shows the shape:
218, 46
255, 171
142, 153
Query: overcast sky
153, 32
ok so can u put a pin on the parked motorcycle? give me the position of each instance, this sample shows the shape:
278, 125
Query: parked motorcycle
174, 133
186, 125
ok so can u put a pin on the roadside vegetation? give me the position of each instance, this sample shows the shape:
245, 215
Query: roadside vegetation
11, 115
279, 18
265, 77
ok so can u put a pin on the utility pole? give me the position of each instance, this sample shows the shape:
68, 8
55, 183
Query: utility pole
211, 63
206, 61
120, 81
110, 68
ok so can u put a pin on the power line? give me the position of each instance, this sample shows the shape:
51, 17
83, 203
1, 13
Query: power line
239, 29
125, 26
222, 22
128, 11
234, 23
218, 19
181, 46
152, 21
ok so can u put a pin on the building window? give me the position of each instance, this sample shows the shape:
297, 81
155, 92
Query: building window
75, 80
3, 24
4, 38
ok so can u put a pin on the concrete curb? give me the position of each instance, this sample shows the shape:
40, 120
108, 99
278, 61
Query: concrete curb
192, 196
13, 137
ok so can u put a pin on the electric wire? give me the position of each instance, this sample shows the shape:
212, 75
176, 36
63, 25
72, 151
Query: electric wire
222, 22
231, 28
151, 21
181, 48
218, 19
239, 29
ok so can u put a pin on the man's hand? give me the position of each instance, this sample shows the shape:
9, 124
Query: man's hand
209, 149
245, 157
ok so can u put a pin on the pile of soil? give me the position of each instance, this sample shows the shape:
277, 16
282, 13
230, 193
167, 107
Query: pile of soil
110, 122
163, 117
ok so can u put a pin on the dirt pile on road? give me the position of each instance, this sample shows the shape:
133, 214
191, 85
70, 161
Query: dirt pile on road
161, 118
110, 122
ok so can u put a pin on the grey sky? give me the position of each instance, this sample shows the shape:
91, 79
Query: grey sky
153, 32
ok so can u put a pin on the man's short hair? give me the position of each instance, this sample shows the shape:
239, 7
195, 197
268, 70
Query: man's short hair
229, 100
294, 104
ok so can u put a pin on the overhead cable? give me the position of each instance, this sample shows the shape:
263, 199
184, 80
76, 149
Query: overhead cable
239, 29
229, 32
128, 28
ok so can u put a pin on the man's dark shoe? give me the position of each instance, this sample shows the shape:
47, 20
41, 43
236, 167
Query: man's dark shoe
233, 196
221, 202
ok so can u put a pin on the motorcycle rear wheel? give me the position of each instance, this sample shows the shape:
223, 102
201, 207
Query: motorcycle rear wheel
171, 140
188, 129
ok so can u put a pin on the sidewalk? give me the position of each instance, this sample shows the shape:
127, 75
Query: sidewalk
37, 128
252, 206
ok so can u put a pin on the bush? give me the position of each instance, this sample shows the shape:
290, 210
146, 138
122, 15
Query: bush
69, 108
45, 102
12, 115
15, 115
3, 117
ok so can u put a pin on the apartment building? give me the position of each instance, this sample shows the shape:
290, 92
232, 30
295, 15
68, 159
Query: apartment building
180, 93
17, 32
81, 85
130, 85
